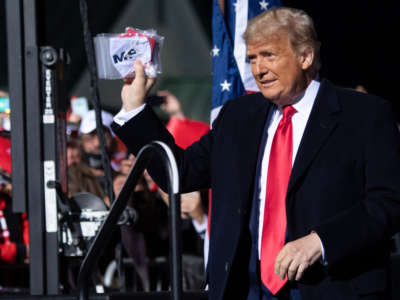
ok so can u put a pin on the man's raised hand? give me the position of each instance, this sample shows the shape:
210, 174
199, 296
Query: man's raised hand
135, 90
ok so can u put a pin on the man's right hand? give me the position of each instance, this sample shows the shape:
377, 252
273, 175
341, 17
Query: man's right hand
134, 91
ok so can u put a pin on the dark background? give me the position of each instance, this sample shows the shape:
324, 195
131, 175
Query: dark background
359, 43
359, 38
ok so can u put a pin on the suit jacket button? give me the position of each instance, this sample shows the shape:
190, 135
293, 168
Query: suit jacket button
227, 266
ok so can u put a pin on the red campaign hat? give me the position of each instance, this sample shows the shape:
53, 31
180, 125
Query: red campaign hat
5, 154
186, 132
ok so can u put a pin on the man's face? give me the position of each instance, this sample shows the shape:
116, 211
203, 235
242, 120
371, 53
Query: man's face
279, 72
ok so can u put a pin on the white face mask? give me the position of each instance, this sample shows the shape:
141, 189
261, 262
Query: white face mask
124, 51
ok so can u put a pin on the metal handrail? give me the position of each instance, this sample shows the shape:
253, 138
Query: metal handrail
106, 229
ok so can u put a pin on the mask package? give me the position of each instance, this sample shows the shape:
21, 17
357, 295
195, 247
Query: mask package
115, 53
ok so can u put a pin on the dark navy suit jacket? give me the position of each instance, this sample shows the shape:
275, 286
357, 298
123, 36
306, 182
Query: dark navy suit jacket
345, 185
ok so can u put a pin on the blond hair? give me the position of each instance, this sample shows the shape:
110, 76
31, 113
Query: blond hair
295, 22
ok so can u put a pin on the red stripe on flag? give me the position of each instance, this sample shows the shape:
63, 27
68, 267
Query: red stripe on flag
251, 92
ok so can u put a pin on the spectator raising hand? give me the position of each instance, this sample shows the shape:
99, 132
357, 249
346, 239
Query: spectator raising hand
171, 105
191, 206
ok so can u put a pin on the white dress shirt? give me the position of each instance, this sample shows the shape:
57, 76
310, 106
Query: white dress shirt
299, 121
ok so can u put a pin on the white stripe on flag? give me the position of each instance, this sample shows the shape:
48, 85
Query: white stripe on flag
214, 114
240, 27
240, 46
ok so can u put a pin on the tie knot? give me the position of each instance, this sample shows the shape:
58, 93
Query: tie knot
288, 112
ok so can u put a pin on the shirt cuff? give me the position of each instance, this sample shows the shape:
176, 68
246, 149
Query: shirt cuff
124, 116
200, 228
323, 260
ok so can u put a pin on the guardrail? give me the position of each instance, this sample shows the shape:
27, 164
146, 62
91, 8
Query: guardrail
169, 164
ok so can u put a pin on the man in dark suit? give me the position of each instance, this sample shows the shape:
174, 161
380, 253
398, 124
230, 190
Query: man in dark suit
305, 176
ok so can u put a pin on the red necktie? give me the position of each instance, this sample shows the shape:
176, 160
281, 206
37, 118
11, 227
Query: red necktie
274, 228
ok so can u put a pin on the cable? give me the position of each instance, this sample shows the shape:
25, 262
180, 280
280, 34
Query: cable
94, 92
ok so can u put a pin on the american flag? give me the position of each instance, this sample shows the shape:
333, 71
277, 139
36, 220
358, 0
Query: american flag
231, 72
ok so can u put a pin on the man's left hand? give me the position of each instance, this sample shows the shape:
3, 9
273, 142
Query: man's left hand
296, 256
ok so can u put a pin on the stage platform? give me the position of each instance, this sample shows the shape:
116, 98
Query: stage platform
113, 296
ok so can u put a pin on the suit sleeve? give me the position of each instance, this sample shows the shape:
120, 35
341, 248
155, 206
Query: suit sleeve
193, 163
374, 219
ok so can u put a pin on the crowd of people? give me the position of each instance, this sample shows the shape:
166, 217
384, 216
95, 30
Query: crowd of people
145, 240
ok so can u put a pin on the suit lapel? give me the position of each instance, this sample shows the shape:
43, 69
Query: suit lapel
321, 123
251, 139
253, 131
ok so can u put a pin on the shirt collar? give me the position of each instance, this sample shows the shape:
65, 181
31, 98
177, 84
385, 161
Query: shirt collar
306, 102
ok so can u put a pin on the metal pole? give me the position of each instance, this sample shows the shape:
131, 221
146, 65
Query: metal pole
51, 65
17, 95
175, 251
34, 154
